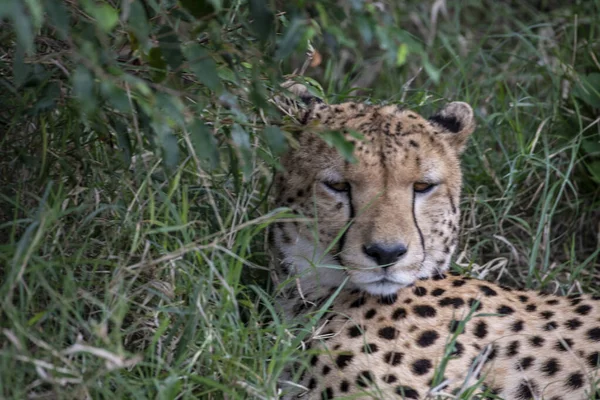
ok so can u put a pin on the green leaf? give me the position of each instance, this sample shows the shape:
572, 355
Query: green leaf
158, 64
170, 46
123, 140
138, 22
263, 19
170, 107
14, 10
591, 147
290, 39
275, 138
37, 12
83, 89
594, 168
59, 17
106, 17
337, 140
115, 96
401, 54
588, 89
432, 71
198, 8
205, 144
47, 100
241, 141
203, 66
168, 143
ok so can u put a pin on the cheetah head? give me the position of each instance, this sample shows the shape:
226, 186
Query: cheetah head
384, 220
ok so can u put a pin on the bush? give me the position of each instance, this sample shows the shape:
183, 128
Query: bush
139, 141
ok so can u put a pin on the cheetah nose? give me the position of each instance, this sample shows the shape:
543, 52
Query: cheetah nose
385, 255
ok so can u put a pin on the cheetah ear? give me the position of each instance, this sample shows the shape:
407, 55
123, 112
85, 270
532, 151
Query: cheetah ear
457, 121
299, 103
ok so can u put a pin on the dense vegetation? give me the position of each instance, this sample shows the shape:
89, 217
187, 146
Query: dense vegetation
137, 143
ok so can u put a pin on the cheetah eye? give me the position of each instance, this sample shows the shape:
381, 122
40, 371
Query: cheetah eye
339, 187
423, 187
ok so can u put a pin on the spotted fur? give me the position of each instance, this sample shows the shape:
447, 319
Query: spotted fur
390, 328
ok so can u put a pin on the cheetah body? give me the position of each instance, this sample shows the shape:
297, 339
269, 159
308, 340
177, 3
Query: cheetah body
399, 327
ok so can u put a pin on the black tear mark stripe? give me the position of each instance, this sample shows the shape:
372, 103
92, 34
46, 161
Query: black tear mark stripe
451, 201
417, 225
342, 241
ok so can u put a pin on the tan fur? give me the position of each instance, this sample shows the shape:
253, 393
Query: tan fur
525, 345
379, 307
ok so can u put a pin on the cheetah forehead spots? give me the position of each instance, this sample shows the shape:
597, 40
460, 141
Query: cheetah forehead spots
390, 217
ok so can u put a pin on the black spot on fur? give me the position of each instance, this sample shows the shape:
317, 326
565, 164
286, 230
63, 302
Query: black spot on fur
575, 381
550, 326
355, 331
551, 367
525, 362
326, 369
594, 334
455, 302
475, 304
523, 298
527, 390
421, 367
458, 283
370, 314
364, 379
427, 338
420, 291
312, 383
531, 307
399, 313
594, 360
488, 291
314, 360
481, 329
458, 349
437, 292
370, 348
583, 309
388, 332
358, 302
344, 386
564, 344
454, 325
547, 314
552, 302
537, 341
513, 348
517, 326
406, 392
439, 276
393, 357
327, 394
505, 310
424, 311
573, 324
390, 378
343, 360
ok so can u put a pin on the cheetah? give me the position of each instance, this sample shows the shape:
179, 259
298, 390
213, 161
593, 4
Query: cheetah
375, 240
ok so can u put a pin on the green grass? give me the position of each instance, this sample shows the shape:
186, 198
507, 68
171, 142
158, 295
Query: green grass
144, 281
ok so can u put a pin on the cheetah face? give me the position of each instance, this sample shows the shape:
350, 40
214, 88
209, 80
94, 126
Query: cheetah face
385, 220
